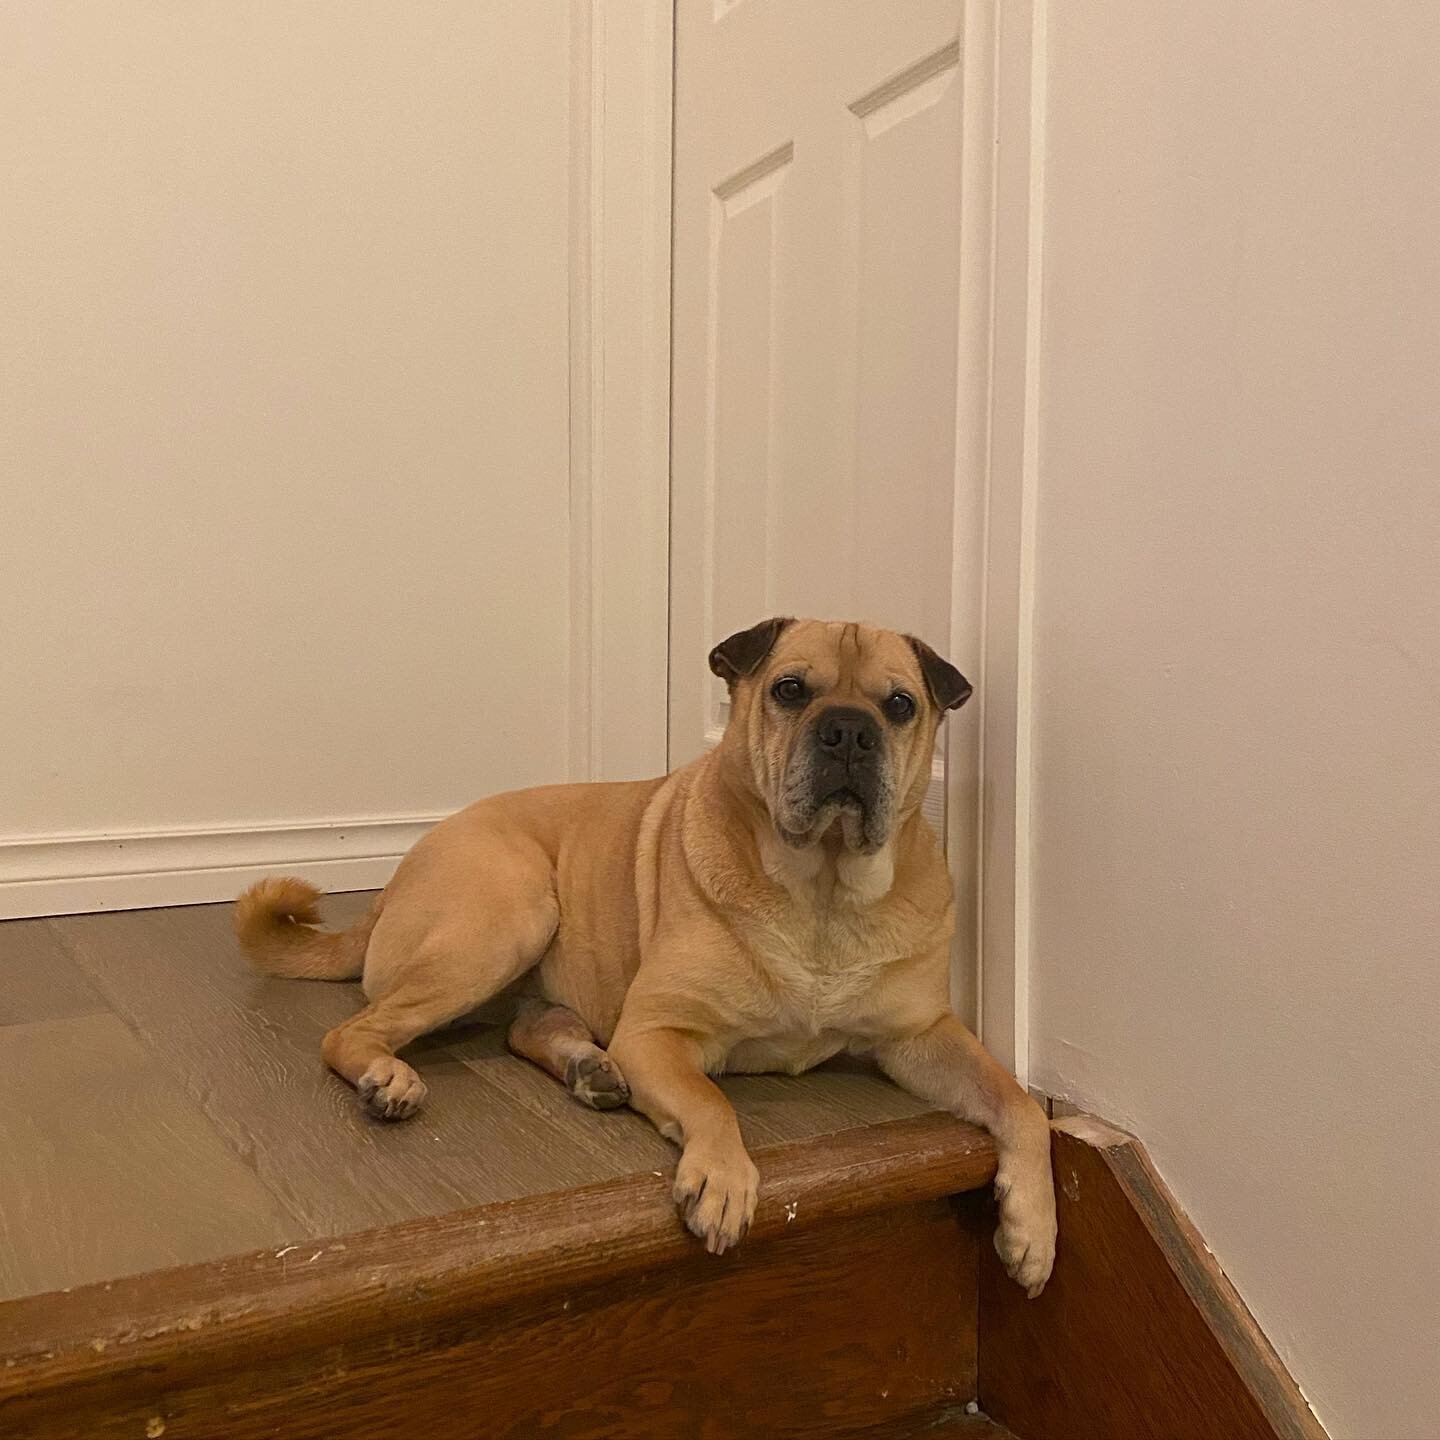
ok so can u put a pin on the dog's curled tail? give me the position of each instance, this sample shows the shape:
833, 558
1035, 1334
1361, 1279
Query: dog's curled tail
277, 923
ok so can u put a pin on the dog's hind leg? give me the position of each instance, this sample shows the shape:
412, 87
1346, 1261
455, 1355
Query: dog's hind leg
423, 971
362, 1050
561, 1044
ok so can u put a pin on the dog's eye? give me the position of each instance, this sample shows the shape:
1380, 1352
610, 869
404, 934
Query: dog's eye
900, 707
789, 691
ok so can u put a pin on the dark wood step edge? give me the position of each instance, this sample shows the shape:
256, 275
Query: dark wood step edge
238, 1310
1138, 1333
1245, 1345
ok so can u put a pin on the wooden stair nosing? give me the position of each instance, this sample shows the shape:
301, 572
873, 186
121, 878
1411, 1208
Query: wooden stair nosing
236, 1311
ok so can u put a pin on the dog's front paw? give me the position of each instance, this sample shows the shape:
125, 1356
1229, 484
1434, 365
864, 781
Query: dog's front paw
716, 1193
390, 1089
1025, 1239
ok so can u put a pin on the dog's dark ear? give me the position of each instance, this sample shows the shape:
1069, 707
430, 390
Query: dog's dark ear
743, 653
948, 688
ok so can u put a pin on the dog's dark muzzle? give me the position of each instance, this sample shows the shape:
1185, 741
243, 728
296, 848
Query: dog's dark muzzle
848, 749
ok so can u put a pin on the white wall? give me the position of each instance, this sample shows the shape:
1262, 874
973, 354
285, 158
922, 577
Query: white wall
283, 413
1237, 799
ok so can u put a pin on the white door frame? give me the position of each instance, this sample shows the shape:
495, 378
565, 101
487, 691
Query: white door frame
1005, 77
621, 65
620, 403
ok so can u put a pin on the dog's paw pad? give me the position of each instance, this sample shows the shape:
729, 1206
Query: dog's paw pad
390, 1090
596, 1081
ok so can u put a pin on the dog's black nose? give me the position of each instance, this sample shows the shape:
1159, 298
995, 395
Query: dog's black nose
845, 732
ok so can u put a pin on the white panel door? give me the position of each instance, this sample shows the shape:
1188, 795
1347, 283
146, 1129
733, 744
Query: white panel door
818, 332
816, 310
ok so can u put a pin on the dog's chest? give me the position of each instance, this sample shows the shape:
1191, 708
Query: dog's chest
822, 962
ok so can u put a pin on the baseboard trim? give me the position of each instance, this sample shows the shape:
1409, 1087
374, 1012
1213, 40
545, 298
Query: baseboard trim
77, 874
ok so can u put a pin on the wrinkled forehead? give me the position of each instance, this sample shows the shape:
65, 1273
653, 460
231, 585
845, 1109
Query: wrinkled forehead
832, 652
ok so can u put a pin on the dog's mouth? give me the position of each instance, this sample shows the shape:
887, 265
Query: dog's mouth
846, 806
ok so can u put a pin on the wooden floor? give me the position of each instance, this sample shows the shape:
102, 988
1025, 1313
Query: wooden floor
164, 1104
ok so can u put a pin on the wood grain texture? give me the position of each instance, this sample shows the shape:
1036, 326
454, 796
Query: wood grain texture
38, 980
513, 1316
243, 1051
963, 1427
107, 1168
841, 1093
246, 1049
615, 1142
949, 1423
827, 1331
772, 1108
1138, 1333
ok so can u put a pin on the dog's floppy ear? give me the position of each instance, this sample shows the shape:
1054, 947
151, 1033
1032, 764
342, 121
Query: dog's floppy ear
948, 688
743, 653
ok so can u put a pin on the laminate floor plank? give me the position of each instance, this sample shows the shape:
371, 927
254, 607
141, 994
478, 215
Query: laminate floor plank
835, 1096
38, 980
772, 1108
618, 1142
234, 1057
108, 1168
246, 1048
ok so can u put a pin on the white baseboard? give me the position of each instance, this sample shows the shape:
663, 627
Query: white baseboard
75, 874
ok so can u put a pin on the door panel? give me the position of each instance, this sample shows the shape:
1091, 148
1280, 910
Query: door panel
904, 171
817, 332
817, 208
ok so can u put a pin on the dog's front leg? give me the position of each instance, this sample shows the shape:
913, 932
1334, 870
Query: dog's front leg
949, 1067
715, 1182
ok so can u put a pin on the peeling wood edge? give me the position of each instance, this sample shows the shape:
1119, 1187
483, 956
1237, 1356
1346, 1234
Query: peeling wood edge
1251, 1355
1090, 1130
195, 1319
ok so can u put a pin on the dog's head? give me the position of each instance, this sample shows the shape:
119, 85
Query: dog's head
837, 722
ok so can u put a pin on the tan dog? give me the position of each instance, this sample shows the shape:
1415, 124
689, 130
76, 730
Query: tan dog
777, 901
